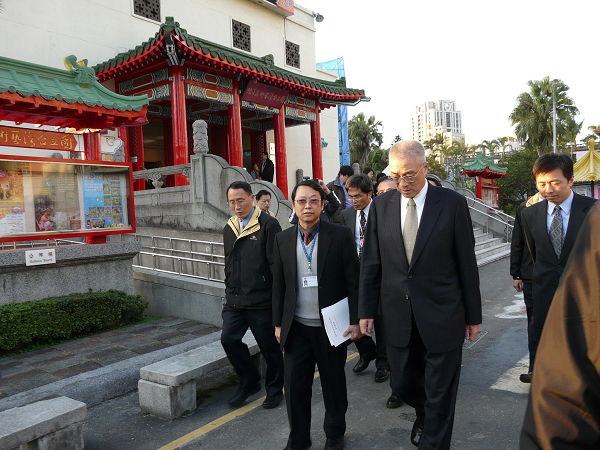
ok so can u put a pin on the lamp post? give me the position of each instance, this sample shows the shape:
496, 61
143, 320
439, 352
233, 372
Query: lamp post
554, 114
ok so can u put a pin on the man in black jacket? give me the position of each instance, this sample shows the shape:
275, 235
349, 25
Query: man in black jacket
316, 265
338, 186
248, 240
267, 168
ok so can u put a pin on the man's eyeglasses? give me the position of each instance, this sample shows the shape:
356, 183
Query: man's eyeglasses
238, 202
312, 202
355, 198
407, 178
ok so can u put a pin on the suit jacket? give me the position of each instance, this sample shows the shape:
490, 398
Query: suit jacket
440, 287
266, 173
336, 187
563, 410
521, 263
337, 273
349, 220
548, 268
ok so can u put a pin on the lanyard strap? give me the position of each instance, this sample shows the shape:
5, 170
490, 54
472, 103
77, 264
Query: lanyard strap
312, 247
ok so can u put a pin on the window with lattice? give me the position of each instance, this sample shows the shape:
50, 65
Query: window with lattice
292, 54
150, 9
241, 35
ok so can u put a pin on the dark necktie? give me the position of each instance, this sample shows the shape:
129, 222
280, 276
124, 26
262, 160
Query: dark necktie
556, 231
363, 222
307, 237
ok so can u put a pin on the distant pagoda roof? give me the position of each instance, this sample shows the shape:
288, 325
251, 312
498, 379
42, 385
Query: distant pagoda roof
33, 93
223, 58
588, 167
483, 167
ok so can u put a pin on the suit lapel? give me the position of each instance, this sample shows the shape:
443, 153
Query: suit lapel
351, 221
323, 245
541, 225
576, 218
395, 205
431, 210
291, 247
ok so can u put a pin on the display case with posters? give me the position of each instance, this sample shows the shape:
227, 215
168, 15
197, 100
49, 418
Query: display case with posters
44, 198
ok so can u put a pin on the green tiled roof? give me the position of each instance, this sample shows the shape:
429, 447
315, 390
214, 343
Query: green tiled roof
78, 85
481, 163
230, 56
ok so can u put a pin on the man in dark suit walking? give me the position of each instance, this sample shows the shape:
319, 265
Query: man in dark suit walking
315, 266
550, 228
360, 191
418, 265
267, 168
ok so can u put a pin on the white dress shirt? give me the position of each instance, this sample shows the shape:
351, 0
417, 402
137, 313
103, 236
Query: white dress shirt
565, 213
357, 226
419, 202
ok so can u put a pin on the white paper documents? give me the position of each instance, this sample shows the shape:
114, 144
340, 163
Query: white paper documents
337, 320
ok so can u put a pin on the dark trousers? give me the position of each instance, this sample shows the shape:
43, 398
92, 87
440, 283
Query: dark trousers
304, 347
527, 295
236, 322
367, 348
429, 383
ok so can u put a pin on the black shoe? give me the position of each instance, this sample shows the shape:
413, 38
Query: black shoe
526, 377
381, 375
362, 364
417, 432
272, 401
242, 394
334, 444
394, 401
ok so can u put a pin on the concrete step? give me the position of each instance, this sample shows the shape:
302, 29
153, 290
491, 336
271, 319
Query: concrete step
494, 257
496, 249
483, 237
477, 231
491, 242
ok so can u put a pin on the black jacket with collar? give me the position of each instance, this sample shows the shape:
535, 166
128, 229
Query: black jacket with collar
248, 261
337, 188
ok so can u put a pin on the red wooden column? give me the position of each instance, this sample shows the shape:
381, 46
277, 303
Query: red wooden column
234, 129
280, 152
136, 154
478, 187
91, 142
168, 150
315, 140
179, 120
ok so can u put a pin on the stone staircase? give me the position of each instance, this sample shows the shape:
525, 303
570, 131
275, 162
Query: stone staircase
488, 248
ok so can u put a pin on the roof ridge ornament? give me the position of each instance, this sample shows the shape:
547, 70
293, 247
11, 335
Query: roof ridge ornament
269, 60
84, 75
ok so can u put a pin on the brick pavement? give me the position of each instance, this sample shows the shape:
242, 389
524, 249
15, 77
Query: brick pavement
30, 370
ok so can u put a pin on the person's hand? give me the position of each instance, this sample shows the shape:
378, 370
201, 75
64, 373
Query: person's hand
366, 327
354, 331
472, 332
324, 186
278, 334
518, 285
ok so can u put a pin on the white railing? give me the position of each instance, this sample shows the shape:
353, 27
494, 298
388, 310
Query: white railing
38, 244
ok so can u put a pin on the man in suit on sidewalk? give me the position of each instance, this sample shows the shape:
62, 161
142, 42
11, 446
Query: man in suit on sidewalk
360, 191
315, 266
418, 265
551, 227
267, 168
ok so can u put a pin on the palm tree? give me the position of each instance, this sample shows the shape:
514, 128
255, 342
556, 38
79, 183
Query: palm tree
532, 117
503, 142
487, 145
364, 136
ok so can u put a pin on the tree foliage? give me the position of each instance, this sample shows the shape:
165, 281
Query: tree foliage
378, 159
533, 119
436, 168
364, 136
518, 184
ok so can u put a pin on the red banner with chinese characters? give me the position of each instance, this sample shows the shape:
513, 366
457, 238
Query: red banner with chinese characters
26, 137
265, 95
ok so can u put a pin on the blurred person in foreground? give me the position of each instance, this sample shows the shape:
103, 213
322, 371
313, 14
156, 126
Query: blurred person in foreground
563, 412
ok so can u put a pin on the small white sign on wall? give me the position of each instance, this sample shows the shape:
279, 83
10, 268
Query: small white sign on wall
40, 256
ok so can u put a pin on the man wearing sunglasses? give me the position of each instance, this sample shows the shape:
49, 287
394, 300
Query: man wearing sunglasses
418, 265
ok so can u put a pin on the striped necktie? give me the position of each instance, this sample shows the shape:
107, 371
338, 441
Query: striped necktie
411, 227
556, 231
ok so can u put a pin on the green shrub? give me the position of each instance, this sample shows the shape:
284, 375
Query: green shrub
60, 317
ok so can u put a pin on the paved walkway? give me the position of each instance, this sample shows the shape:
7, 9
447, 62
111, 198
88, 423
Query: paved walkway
30, 370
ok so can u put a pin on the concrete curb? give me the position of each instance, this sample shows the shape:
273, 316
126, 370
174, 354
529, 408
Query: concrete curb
102, 384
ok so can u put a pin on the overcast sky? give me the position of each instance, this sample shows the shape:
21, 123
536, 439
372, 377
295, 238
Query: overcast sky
479, 54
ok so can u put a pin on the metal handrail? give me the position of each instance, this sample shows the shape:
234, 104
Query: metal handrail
37, 244
184, 251
508, 228
180, 259
500, 213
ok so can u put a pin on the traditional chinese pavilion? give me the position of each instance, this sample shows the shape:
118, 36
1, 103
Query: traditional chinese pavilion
587, 172
485, 172
187, 78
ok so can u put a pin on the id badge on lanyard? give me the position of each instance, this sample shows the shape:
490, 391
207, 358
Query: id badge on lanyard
309, 279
